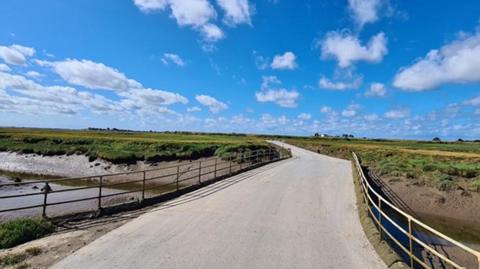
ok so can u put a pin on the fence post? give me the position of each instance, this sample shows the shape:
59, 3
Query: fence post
410, 241
215, 172
46, 189
199, 172
178, 175
380, 217
230, 165
143, 186
100, 193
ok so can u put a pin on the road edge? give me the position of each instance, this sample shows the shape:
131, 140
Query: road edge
385, 252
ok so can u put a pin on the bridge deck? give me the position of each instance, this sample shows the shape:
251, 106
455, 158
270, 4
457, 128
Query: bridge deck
297, 213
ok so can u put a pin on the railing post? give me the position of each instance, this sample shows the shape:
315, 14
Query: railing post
230, 165
410, 241
100, 193
380, 217
46, 189
199, 172
178, 175
143, 186
215, 172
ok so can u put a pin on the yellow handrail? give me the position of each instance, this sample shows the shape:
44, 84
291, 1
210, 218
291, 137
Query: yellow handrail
367, 188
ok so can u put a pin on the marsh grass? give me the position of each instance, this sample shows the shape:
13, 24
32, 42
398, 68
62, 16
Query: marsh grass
446, 166
19, 231
125, 147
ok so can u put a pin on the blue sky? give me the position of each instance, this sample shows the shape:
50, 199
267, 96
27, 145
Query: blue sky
375, 68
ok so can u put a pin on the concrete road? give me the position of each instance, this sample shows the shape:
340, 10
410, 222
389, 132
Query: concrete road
297, 213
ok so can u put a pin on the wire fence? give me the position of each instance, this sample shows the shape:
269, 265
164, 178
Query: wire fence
55, 197
419, 244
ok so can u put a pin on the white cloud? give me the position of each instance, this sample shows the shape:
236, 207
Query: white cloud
371, 117
376, 89
304, 116
92, 75
33, 74
280, 96
351, 110
213, 104
194, 109
261, 62
325, 83
456, 62
399, 113
172, 58
197, 14
347, 49
364, 11
473, 102
236, 11
16, 54
152, 98
326, 109
4, 68
285, 61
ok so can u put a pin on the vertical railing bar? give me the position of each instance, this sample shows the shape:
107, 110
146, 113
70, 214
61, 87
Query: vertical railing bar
380, 217
215, 172
100, 185
410, 241
143, 185
230, 164
199, 172
46, 189
178, 177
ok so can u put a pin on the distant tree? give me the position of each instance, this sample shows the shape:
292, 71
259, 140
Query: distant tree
436, 139
316, 134
460, 140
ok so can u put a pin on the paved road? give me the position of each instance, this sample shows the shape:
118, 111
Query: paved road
297, 213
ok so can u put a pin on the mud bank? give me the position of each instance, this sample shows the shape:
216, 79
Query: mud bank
67, 165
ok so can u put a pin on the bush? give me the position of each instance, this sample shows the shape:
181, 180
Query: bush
19, 231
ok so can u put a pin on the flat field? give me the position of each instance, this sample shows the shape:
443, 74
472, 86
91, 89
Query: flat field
444, 165
125, 146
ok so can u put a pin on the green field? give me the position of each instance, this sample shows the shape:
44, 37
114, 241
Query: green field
126, 146
443, 165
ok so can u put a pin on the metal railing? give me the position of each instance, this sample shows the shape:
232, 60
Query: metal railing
153, 182
387, 214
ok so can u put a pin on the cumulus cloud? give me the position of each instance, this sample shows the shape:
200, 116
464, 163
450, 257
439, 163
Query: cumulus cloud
399, 113
304, 116
194, 109
213, 104
172, 58
285, 61
236, 11
197, 14
5, 68
351, 110
364, 11
33, 74
326, 83
371, 117
376, 89
92, 75
270, 93
456, 62
16, 54
347, 49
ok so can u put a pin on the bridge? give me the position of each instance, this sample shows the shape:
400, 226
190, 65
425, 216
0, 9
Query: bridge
296, 213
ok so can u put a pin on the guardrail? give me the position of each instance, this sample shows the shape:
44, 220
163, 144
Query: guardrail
387, 214
166, 179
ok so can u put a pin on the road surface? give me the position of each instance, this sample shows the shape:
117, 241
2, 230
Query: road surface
297, 213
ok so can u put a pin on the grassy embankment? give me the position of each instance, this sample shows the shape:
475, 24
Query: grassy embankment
126, 147
445, 166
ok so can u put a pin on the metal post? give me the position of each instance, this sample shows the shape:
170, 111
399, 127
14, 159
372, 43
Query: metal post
199, 172
230, 165
143, 186
178, 175
46, 189
215, 172
410, 241
380, 217
100, 193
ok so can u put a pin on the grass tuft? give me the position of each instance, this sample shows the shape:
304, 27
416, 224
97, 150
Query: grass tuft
19, 231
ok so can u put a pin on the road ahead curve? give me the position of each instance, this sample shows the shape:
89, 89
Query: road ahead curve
297, 213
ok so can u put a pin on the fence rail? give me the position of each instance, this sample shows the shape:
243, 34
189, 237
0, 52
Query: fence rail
384, 215
173, 178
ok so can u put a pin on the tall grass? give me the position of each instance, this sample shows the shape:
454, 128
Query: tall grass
18, 231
